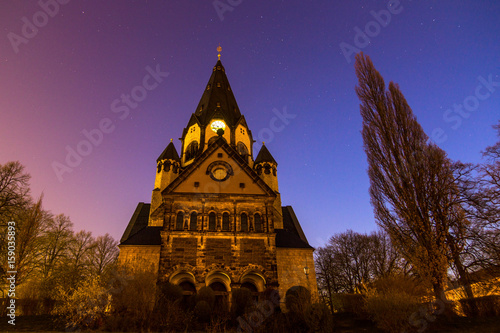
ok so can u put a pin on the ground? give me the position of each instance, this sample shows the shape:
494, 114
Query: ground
343, 324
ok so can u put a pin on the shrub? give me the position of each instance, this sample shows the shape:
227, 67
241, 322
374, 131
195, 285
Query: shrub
318, 318
28, 306
392, 301
203, 311
133, 295
168, 313
171, 318
241, 301
84, 307
168, 292
391, 311
206, 294
486, 306
351, 303
297, 299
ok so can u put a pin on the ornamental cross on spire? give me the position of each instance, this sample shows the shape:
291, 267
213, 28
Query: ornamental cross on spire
218, 50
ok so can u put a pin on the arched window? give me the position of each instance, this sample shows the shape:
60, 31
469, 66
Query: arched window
211, 221
225, 222
166, 166
179, 223
193, 221
257, 223
244, 222
191, 150
259, 169
242, 149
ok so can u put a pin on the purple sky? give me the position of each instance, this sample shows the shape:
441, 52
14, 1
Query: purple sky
62, 78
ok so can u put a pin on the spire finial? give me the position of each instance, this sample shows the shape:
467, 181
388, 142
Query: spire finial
171, 140
263, 143
219, 49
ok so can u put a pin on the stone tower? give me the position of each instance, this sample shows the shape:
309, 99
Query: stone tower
216, 218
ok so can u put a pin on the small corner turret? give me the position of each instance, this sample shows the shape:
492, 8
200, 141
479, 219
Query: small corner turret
167, 168
266, 167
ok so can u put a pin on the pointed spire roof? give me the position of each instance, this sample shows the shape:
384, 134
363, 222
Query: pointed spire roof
218, 99
170, 153
265, 156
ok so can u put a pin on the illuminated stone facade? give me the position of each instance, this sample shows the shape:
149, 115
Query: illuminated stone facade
215, 217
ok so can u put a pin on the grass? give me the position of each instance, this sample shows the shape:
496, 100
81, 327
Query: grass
344, 323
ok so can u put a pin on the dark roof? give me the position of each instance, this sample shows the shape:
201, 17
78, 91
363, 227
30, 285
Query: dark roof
170, 153
138, 221
264, 156
145, 236
216, 91
291, 236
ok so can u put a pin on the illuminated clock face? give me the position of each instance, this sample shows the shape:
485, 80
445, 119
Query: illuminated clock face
217, 124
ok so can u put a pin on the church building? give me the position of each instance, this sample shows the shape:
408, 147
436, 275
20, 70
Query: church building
215, 217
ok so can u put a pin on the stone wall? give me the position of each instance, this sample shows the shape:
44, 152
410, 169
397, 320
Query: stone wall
291, 263
140, 256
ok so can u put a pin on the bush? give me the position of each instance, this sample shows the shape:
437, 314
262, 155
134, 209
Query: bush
206, 294
351, 303
241, 301
168, 313
486, 306
133, 297
392, 301
203, 311
391, 311
168, 292
318, 318
84, 307
28, 307
297, 299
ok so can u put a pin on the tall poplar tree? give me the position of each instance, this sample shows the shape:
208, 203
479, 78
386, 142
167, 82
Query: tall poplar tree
411, 182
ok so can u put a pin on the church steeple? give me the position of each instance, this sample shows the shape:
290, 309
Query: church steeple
216, 110
218, 99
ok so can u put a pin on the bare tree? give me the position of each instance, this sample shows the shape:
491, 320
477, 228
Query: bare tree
411, 180
30, 220
479, 187
78, 265
104, 254
14, 188
351, 260
55, 243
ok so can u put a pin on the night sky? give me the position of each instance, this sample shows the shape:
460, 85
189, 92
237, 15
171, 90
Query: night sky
67, 76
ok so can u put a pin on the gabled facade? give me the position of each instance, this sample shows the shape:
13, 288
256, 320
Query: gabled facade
215, 217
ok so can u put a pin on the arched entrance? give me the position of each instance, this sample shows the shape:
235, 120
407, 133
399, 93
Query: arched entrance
253, 289
255, 282
220, 283
186, 281
221, 296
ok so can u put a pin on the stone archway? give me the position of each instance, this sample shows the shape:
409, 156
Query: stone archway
255, 282
185, 280
220, 283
